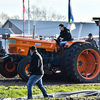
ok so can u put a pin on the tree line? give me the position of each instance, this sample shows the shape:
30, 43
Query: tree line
36, 13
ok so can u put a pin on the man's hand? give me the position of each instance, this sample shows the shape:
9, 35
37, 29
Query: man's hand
61, 38
28, 74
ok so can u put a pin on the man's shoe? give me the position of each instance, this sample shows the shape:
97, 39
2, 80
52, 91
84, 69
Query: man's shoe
49, 96
30, 98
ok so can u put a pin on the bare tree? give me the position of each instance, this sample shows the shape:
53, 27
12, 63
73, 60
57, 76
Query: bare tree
35, 13
44, 14
60, 17
3, 17
15, 17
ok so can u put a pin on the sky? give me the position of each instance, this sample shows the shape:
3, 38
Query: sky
83, 10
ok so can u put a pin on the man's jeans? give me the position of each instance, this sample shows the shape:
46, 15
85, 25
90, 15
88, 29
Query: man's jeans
61, 44
35, 79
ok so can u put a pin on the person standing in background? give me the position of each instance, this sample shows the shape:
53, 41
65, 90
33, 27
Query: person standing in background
91, 40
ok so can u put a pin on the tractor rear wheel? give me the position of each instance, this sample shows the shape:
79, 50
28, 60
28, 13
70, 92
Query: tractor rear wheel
22, 68
80, 63
8, 69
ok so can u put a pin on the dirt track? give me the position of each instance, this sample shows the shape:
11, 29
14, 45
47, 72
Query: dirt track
18, 81
46, 81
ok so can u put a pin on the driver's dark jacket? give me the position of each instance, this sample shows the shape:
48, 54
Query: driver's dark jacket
65, 34
36, 64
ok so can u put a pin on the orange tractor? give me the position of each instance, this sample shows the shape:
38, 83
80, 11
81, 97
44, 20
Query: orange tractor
79, 61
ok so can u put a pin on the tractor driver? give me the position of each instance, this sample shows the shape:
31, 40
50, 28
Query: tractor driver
64, 36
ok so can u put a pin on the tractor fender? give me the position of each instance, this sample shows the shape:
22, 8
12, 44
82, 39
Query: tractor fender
2, 58
70, 43
15, 58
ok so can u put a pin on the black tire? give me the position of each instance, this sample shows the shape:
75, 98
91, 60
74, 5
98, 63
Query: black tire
8, 69
73, 61
21, 68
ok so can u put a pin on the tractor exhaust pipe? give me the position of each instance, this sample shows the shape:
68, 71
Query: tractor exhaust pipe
34, 32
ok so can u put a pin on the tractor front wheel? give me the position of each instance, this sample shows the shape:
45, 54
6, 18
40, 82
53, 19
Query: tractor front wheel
8, 69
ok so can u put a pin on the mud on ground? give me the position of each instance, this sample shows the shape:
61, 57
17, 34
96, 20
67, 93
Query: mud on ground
17, 81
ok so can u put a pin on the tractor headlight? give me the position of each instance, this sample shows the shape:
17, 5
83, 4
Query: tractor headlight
21, 50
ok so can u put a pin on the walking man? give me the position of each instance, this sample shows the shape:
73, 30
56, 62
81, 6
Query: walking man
35, 73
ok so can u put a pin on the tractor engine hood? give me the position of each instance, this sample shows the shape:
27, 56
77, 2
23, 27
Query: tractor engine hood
21, 46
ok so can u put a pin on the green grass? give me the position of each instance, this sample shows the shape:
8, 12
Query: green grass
20, 91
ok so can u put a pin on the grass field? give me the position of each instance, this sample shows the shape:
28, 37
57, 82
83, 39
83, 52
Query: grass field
20, 91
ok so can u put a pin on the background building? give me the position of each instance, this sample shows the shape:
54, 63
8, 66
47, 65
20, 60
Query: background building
49, 28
